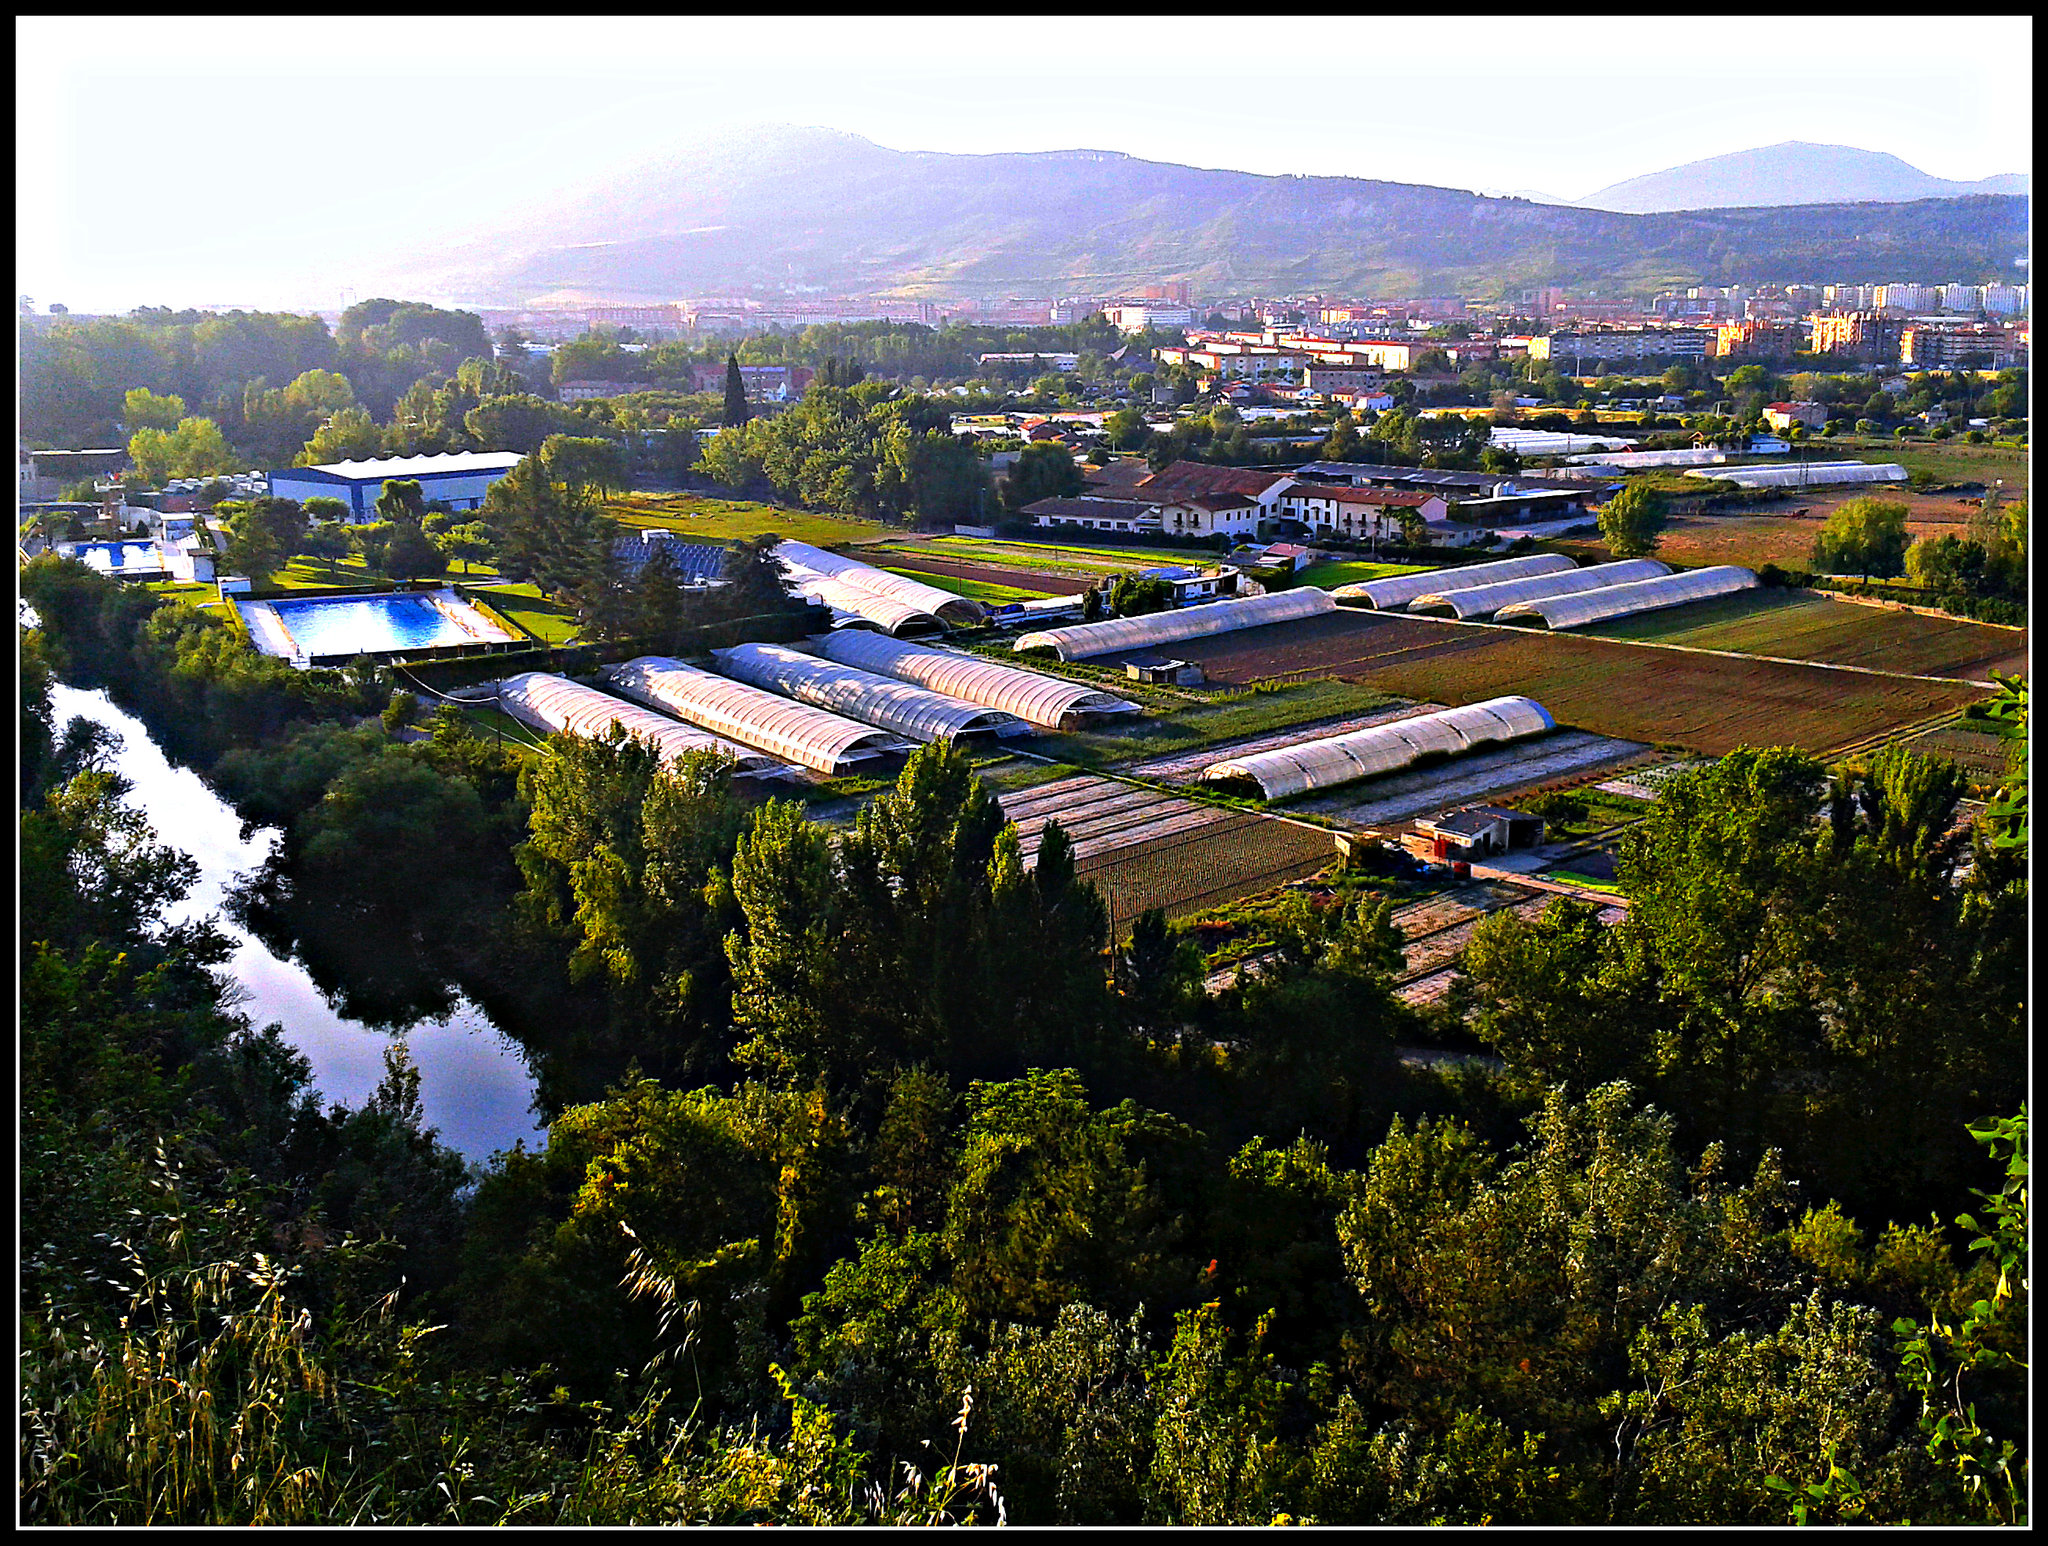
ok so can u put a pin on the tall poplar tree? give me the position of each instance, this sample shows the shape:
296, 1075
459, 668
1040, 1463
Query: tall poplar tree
736, 410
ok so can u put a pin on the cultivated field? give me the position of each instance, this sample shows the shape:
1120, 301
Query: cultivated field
973, 589
1704, 703
1974, 747
1026, 582
1800, 625
704, 518
1044, 557
1146, 849
1350, 571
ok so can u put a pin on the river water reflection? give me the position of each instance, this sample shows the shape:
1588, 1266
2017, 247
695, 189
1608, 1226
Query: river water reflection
474, 1081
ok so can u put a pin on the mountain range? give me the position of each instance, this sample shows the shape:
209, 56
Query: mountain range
1796, 172
787, 207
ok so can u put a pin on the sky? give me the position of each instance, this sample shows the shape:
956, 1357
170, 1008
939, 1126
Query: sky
273, 162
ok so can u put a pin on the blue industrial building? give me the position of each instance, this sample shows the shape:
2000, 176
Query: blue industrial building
459, 478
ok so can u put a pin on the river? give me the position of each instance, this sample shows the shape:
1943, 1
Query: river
474, 1081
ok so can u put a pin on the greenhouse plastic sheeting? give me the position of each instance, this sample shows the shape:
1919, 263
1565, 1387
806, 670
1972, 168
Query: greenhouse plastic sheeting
1378, 749
891, 614
1050, 701
1626, 600
917, 712
801, 558
1814, 474
795, 732
1480, 600
1131, 633
562, 707
1400, 589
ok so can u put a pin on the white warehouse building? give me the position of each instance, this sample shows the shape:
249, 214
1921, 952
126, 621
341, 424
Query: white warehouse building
460, 478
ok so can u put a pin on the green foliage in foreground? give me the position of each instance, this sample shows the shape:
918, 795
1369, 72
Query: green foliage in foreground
941, 1207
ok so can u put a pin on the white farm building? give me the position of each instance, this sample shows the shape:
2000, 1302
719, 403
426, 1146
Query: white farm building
460, 478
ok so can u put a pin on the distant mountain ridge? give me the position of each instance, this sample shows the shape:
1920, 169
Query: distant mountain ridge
1795, 172
818, 208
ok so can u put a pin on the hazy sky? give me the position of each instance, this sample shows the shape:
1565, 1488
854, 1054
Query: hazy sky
218, 161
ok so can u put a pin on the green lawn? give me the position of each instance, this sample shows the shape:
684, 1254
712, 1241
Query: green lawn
1348, 572
550, 621
709, 519
198, 592
973, 590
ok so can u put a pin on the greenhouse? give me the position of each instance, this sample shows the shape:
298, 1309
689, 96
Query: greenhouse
853, 607
1379, 749
803, 561
562, 707
1483, 600
795, 732
1048, 701
1401, 589
1080, 640
917, 712
1809, 474
1599, 606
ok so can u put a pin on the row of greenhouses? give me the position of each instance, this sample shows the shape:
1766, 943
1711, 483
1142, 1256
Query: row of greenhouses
1604, 605
1381, 749
1080, 640
863, 596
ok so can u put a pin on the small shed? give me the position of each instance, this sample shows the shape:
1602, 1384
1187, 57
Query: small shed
1473, 832
1164, 672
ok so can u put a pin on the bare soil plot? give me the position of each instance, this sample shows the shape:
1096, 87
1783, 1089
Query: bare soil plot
1042, 581
1978, 752
1704, 703
1802, 625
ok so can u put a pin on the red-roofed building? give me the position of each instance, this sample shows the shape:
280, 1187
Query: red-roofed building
1330, 509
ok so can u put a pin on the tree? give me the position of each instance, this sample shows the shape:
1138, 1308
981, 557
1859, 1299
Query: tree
402, 499
327, 542
737, 410
1863, 536
1343, 442
1043, 470
348, 434
1632, 520
144, 409
411, 554
469, 543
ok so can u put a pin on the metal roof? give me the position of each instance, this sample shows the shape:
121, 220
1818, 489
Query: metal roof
1080, 640
1483, 600
801, 558
563, 707
1378, 749
794, 732
1401, 589
377, 469
1625, 600
917, 712
1049, 701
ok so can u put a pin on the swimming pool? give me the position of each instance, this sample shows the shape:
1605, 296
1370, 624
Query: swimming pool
370, 625
115, 557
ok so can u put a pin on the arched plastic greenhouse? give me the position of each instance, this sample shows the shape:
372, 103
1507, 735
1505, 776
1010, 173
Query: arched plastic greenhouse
1401, 589
917, 712
562, 707
796, 732
1809, 474
1483, 600
1081, 640
1598, 606
1379, 749
853, 607
1049, 701
801, 557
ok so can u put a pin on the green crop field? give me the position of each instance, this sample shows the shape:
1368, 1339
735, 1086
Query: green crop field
1045, 555
1799, 625
705, 518
973, 590
1348, 572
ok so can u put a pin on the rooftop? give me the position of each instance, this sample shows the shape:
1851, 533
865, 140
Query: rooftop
420, 466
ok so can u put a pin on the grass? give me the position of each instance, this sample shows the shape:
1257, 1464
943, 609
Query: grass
705, 518
1800, 626
1047, 555
1589, 882
196, 591
973, 590
1943, 461
550, 621
1207, 723
1347, 572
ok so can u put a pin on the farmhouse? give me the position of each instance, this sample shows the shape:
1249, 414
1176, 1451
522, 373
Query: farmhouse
1357, 512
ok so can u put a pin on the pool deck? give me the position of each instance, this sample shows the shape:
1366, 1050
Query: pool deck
266, 629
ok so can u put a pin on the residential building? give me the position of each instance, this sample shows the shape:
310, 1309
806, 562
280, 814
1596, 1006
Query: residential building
1060, 362
1597, 347
1904, 299
2005, 300
459, 478
1849, 297
670, 316
1360, 514
1962, 298
1342, 380
586, 391
1092, 513
1757, 339
1782, 416
1939, 346
764, 383
1207, 515
1865, 335
1138, 318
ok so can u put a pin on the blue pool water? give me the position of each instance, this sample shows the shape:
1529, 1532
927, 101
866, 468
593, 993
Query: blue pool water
107, 556
348, 625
